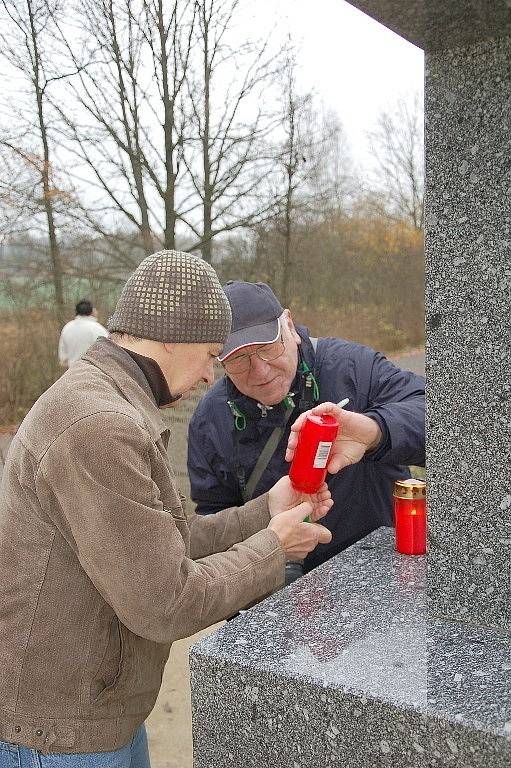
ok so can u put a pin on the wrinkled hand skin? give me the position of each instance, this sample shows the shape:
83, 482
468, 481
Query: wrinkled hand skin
283, 497
296, 537
358, 434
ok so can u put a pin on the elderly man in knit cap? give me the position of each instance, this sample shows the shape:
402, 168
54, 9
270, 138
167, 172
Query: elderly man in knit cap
101, 569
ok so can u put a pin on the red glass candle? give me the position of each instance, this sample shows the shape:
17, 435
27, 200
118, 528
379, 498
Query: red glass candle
410, 516
315, 440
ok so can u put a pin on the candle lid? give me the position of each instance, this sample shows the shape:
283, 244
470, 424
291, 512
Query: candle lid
324, 419
410, 489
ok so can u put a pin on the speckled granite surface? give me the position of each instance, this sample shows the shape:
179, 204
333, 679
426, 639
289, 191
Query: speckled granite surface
468, 324
344, 668
441, 23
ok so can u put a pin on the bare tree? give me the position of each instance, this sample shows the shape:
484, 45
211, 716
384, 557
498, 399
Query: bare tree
25, 45
229, 94
313, 165
20, 181
126, 130
397, 144
155, 149
170, 41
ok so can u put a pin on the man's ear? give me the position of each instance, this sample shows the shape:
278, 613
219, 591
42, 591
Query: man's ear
169, 346
288, 319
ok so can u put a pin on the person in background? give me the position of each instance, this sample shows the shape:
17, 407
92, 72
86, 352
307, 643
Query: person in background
101, 568
274, 372
77, 336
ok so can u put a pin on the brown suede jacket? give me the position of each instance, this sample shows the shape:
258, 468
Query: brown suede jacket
100, 568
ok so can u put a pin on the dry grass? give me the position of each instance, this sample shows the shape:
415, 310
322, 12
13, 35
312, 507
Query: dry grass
29, 338
375, 325
28, 350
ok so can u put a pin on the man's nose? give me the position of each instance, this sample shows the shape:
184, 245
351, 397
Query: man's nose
209, 378
258, 368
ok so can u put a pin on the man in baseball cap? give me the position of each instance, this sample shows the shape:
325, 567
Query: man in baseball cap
101, 568
261, 330
275, 370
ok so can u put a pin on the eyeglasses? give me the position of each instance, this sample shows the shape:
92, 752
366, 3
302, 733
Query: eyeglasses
267, 352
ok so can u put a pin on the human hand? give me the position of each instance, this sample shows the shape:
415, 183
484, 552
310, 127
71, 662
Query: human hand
283, 496
357, 435
296, 537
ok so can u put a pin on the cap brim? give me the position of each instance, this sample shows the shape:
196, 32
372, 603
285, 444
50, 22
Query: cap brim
256, 334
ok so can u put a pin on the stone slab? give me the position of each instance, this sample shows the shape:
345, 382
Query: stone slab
434, 24
344, 668
468, 322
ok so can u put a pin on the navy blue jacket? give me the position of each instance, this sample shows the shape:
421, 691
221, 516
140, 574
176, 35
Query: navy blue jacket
362, 492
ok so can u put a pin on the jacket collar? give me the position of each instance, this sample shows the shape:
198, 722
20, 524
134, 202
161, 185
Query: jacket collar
115, 362
155, 378
250, 407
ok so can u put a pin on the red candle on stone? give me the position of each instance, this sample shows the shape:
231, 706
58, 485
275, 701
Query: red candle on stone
410, 516
315, 440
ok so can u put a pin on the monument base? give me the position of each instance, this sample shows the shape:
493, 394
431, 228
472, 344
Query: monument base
344, 668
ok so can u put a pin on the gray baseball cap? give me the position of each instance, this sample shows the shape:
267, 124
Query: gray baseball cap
255, 316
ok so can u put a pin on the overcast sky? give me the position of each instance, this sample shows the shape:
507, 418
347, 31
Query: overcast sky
356, 65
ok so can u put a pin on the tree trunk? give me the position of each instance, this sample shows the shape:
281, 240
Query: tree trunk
206, 247
132, 136
56, 262
286, 264
290, 173
169, 229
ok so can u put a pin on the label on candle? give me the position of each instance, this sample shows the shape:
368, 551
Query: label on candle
322, 453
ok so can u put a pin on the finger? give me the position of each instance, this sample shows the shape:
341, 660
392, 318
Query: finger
297, 425
342, 416
321, 510
323, 534
324, 493
332, 408
339, 461
293, 436
291, 445
300, 512
319, 501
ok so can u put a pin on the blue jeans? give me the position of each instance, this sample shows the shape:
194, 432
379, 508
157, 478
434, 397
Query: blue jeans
134, 755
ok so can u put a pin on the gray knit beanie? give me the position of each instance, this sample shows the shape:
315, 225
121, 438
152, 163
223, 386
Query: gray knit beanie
173, 297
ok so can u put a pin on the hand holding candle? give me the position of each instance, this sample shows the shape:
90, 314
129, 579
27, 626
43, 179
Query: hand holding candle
283, 497
315, 441
357, 434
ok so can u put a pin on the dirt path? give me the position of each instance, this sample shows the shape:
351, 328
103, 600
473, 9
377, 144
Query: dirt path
169, 724
413, 360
